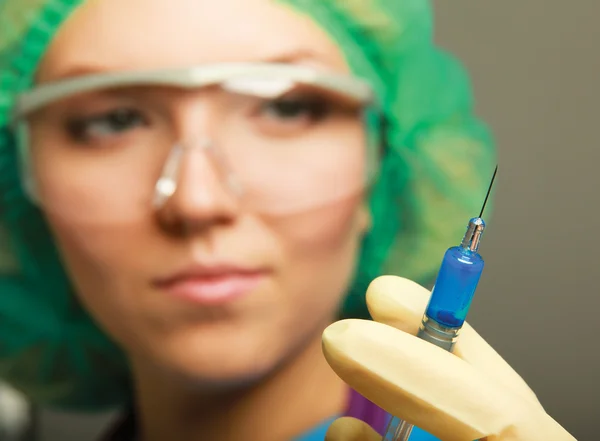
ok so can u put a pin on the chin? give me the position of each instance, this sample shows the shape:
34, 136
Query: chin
229, 371
221, 361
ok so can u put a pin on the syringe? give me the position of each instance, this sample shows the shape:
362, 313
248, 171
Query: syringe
450, 300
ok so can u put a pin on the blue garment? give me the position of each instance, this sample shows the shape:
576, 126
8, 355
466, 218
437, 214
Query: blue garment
420, 435
318, 433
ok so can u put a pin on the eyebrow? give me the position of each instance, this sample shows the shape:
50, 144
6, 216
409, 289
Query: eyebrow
288, 57
70, 73
295, 56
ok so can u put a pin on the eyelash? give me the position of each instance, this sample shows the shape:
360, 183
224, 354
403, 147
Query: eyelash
119, 121
317, 108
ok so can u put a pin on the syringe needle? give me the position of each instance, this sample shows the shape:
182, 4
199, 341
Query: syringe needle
489, 191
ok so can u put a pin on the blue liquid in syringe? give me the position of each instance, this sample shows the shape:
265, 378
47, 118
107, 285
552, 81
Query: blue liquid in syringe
455, 287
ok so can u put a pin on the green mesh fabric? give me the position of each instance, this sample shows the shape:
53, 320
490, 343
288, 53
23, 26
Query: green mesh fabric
433, 178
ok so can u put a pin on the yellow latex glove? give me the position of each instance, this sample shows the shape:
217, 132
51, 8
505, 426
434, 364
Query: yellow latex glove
468, 395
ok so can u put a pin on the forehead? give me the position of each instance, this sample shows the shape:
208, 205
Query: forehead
108, 35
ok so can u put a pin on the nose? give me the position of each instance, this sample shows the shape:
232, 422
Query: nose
194, 191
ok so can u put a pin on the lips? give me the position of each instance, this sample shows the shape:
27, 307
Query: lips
212, 285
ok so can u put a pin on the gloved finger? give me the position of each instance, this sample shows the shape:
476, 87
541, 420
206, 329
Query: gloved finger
400, 303
430, 387
351, 429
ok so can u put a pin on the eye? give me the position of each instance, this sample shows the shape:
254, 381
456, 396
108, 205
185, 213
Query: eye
105, 125
293, 115
309, 109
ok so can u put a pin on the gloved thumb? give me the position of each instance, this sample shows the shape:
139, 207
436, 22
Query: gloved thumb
431, 388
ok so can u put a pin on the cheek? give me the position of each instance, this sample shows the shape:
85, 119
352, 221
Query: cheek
101, 222
74, 186
327, 166
108, 264
102, 250
326, 230
322, 247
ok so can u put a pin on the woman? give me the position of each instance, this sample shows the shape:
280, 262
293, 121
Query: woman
192, 191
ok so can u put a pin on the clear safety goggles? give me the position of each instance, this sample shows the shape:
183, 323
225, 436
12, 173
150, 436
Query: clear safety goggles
278, 138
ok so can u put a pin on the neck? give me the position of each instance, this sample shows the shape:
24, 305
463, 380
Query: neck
296, 397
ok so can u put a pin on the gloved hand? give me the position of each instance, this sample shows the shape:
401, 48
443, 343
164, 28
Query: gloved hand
468, 395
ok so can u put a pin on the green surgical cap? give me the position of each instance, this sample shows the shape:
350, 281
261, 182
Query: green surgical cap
433, 179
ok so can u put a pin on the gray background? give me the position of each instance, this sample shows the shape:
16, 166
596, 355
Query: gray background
535, 69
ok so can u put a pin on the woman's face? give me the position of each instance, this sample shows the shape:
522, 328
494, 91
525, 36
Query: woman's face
201, 288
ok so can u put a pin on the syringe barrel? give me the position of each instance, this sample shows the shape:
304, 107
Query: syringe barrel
449, 304
455, 287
